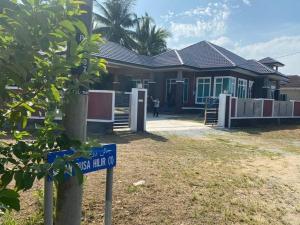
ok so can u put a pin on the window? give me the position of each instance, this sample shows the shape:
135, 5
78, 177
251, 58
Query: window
272, 91
224, 85
146, 83
250, 88
185, 90
242, 88
203, 89
136, 83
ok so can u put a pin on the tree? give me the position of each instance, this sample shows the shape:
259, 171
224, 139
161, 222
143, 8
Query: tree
115, 21
150, 39
34, 37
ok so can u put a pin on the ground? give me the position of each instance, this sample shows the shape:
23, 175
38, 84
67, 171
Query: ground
197, 175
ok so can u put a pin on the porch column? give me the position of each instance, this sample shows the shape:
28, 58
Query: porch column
116, 82
179, 91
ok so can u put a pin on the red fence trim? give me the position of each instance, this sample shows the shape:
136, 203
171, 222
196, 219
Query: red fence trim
268, 108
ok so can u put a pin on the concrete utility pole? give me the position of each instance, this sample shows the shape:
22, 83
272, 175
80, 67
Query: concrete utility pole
69, 192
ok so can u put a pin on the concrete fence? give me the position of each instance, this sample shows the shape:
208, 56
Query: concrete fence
101, 104
233, 108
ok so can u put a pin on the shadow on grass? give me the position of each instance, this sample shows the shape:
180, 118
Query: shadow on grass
126, 137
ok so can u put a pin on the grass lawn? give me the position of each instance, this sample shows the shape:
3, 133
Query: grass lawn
237, 177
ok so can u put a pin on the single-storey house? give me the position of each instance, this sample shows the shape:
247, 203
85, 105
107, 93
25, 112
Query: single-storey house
184, 79
291, 88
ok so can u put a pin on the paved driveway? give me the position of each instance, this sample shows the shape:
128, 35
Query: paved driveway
185, 125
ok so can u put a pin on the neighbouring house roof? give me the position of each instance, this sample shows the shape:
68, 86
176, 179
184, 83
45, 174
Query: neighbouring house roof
271, 61
202, 55
294, 82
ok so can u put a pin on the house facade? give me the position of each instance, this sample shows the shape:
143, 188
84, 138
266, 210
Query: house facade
292, 88
184, 79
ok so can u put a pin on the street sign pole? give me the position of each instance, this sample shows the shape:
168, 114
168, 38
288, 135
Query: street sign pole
48, 202
108, 197
100, 158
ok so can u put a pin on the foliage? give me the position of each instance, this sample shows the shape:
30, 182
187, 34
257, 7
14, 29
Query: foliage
38, 52
115, 21
150, 39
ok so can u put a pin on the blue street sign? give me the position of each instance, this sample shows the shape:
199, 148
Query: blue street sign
103, 157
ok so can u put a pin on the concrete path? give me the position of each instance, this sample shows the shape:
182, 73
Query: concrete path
179, 125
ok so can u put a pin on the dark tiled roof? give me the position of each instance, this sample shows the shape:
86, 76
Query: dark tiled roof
169, 58
294, 82
270, 61
116, 52
258, 67
202, 55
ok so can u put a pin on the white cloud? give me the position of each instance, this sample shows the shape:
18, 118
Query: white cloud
208, 21
247, 2
168, 16
276, 48
226, 42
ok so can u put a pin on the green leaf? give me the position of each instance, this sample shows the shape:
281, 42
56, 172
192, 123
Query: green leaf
82, 27
68, 25
24, 121
55, 93
28, 107
18, 135
6, 178
10, 199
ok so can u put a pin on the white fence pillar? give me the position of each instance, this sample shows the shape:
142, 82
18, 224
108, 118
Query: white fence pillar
222, 110
138, 109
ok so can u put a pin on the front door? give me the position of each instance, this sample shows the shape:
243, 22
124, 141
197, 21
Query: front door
171, 92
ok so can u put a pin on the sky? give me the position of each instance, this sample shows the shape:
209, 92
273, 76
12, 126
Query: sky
253, 29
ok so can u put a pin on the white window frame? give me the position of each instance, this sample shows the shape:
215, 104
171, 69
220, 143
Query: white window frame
245, 84
137, 81
196, 95
218, 77
188, 90
250, 88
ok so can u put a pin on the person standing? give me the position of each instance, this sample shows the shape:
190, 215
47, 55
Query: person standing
156, 107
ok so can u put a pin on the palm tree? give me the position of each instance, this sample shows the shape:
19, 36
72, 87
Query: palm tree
150, 39
115, 21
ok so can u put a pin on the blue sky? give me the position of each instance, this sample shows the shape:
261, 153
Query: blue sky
250, 28
253, 29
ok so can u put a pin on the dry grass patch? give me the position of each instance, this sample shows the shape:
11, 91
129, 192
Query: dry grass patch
213, 180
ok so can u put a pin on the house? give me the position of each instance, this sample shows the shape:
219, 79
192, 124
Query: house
292, 88
184, 79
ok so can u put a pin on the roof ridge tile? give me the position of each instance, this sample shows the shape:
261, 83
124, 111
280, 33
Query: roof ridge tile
179, 57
